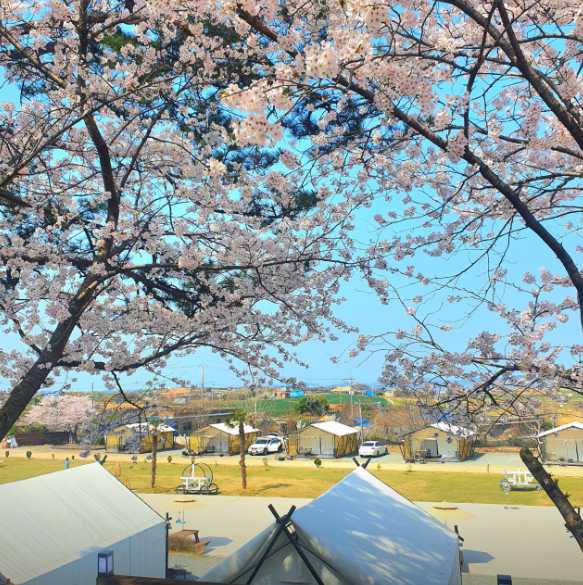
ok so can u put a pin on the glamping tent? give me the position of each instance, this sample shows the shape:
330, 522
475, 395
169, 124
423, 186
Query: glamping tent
562, 444
359, 531
220, 438
59, 528
439, 441
328, 439
137, 438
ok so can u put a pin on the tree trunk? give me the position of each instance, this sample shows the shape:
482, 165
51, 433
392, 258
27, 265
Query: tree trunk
243, 453
154, 457
32, 381
573, 520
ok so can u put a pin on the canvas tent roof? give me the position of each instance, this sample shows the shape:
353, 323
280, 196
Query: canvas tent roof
360, 531
147, 427
233, 430
335, 428
453, 429
54, 519
571, 425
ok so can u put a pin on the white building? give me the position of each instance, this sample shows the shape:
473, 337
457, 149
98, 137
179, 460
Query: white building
55, 529
360, 531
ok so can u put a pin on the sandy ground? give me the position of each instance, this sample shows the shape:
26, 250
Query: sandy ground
485, 463
530, 543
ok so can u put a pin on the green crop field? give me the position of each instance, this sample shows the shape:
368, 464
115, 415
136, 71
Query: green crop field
286, 406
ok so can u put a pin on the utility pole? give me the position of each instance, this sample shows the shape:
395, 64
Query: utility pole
351, 393
201, 385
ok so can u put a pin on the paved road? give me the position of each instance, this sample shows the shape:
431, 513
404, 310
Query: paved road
486, 463
526, 542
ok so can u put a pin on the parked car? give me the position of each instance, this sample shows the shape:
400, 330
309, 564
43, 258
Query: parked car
266, 445
372, 449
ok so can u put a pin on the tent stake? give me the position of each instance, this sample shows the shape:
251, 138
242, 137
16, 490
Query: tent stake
293, 542
280, 529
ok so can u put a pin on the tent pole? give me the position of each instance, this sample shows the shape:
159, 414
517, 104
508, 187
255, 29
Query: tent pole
293, 542
280, 528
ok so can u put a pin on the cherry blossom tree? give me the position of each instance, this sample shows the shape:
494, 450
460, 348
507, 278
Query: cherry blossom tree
465, 120
72, 413
137, 219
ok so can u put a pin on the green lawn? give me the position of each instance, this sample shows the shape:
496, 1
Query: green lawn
307, 482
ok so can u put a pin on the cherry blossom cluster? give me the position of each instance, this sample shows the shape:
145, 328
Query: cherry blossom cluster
140, 215
470, 133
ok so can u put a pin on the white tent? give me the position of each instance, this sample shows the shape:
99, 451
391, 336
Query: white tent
328, 439
360, 532
55, 526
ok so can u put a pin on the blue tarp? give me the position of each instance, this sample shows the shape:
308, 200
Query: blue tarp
296, 393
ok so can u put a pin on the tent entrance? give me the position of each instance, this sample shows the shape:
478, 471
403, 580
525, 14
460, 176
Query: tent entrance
285, 526
430, 445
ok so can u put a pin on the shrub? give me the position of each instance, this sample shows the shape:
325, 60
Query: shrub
318, 462
29, 454
73, 457
169, 458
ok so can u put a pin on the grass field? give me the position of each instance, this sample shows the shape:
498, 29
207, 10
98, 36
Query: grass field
308, 483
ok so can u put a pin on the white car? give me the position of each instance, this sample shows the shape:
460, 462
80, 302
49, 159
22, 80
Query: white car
266, 445
372, 449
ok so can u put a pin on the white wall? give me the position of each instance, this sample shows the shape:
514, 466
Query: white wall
141, 555
318, 441
219, 442
568, 449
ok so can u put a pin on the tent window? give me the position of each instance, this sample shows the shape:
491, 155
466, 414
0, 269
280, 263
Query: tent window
105, 563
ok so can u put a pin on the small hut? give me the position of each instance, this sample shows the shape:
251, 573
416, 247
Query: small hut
562, 444
439, 441
328, 439
137, 438
221, 438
